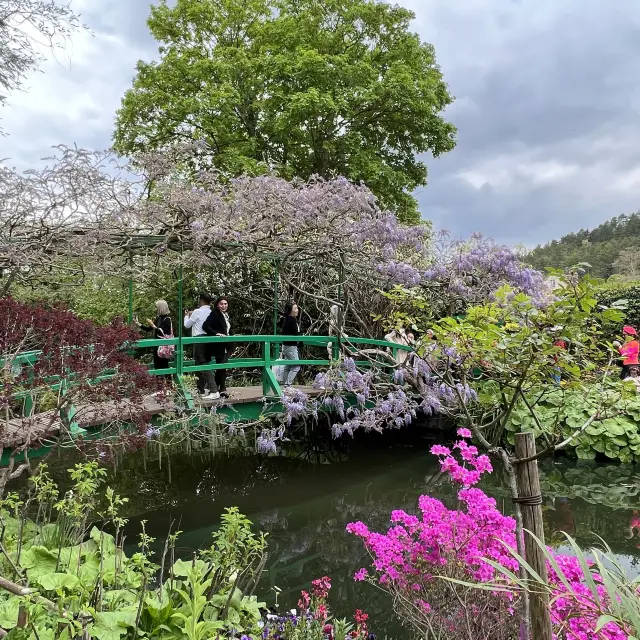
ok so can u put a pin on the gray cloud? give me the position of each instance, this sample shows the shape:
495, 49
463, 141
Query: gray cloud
547, 108
74, 97
547, 112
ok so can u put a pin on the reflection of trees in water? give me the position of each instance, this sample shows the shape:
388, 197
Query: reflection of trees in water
321, 546
613, 486
586, 500
152, 486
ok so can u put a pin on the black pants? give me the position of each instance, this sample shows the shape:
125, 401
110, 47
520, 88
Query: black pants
221, 357
158, 362
202, 355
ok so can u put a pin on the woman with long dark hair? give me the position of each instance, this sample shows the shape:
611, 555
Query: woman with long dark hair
218, 324
290, 349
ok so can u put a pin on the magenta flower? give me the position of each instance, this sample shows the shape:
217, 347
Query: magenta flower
438, 542
439, 450
360, 575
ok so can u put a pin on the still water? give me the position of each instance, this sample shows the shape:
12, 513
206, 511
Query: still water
304, 501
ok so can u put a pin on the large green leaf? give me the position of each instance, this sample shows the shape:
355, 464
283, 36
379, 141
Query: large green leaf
585, 454
14, 526
613, 427
112, 625
57, 581
39, 561
119, 597
105, 541
90, 569
183, 568
9, 612
595, 429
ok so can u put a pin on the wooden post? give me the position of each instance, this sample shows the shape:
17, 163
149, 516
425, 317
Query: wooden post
531, 505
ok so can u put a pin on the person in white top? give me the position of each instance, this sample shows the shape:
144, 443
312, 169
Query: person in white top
633, 377
404, 337
202, 352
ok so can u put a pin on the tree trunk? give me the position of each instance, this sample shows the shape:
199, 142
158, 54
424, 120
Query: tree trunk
530, 502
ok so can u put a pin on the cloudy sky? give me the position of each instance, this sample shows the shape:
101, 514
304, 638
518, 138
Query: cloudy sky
547, 108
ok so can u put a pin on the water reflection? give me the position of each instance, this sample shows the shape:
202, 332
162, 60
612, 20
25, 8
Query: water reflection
305, 507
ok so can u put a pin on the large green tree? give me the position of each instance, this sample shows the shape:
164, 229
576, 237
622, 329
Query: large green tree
300, 87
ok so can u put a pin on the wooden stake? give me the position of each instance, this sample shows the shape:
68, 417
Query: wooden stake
531, 505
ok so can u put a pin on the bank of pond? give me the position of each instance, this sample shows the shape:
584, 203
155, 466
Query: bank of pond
304, 498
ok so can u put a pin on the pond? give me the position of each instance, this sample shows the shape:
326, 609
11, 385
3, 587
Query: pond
304, 501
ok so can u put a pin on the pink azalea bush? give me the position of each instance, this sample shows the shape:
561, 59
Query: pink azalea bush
427, 562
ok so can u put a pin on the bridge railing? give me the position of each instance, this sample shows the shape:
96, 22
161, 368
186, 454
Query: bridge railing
179, 366
269, 357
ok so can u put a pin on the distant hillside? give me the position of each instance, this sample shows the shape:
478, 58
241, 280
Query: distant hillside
613, 247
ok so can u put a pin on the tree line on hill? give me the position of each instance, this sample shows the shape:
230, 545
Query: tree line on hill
611, 248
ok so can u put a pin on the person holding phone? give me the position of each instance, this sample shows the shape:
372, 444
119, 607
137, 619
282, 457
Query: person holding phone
162, 328
629, 351
195, 320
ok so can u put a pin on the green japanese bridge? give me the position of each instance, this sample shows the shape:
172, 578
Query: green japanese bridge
246, 403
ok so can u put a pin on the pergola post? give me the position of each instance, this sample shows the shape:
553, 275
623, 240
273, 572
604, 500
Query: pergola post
276, 280
337, 347
180, 348
130, 287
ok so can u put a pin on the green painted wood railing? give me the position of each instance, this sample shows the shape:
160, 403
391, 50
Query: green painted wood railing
270, 344
179, 367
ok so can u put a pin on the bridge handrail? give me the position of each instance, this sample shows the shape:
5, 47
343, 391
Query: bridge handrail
266, 362
320, 341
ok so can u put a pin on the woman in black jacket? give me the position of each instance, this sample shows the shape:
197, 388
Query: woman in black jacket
218, 324
162, 328
290, 349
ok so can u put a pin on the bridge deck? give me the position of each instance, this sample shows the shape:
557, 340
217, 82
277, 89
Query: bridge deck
17, 431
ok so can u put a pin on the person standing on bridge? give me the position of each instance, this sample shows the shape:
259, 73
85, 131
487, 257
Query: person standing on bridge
218, 324
290, 350
202, 352
162, 328
404, 337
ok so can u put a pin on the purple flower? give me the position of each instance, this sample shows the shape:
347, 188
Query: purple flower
266, 443
152, 433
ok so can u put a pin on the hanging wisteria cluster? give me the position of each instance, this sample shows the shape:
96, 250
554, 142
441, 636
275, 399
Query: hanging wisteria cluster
359, 400
330, 240
468, 272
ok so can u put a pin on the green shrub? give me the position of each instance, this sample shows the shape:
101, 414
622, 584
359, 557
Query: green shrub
628, 291
615, 433
81, 580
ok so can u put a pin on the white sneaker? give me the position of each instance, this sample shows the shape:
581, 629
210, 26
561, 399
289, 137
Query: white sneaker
212, 396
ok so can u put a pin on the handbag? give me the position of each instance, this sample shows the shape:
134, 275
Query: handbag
166, 351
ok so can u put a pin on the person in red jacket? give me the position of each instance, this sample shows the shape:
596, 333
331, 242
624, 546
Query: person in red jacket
629, 350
